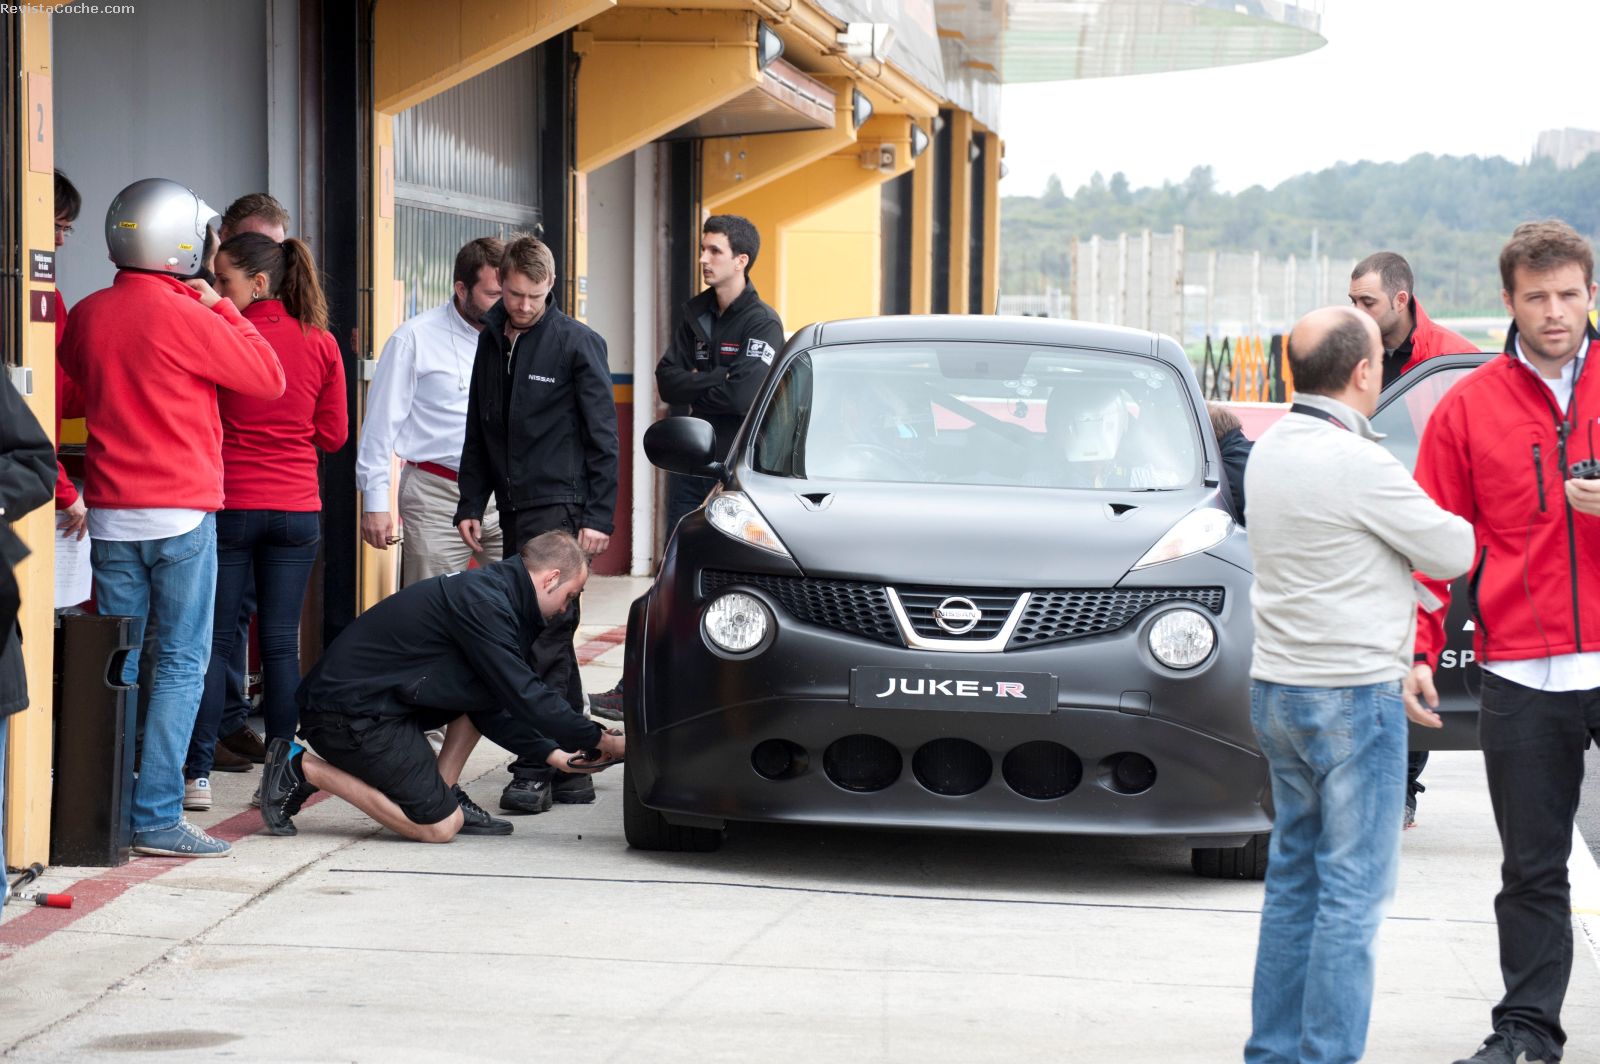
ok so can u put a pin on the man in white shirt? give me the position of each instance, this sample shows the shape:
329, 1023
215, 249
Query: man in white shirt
417, 409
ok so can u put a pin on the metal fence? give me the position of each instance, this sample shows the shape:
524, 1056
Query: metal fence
1150, 280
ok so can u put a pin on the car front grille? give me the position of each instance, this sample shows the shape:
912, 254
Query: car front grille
1056, 616
863, 609
920, 602
843, 605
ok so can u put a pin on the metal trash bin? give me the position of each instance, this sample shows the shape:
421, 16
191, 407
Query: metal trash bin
96, 721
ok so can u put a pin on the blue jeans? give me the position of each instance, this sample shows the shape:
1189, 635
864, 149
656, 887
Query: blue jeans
171, 582
235, 703
1338, 761
277, 549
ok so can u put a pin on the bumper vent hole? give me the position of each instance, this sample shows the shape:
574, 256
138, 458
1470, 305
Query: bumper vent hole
1042, 770
1128, 773
778, 759
952, 766
862, 763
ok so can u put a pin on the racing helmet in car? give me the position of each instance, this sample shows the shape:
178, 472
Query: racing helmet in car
159, 226
1088, 420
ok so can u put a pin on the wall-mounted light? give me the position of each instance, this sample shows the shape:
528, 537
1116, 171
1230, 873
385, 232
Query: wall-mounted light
1005, 171
866, 40
769, 46
860, 108
919, 141
974, 150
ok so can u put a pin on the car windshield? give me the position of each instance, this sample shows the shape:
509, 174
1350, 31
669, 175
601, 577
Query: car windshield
976, 413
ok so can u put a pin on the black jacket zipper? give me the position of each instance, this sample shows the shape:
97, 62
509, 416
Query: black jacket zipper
1538, 476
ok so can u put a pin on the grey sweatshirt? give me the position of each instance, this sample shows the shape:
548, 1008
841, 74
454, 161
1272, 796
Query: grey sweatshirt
1337, 525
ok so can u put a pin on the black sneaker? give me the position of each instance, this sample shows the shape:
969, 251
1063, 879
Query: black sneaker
280, 780
475, 821
608, 705
526, 795
1505, 1049
573, 788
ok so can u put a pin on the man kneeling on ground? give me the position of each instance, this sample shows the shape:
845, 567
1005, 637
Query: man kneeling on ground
453, 648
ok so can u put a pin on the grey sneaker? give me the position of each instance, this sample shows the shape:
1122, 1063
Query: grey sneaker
183, 839
1504, 1049
527, 795
197, 794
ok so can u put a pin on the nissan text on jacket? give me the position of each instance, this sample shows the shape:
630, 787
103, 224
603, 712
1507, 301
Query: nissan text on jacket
150, 357
715, 365
541, 422
1495, 452
453, 645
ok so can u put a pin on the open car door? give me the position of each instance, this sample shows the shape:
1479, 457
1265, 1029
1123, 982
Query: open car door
1403, 411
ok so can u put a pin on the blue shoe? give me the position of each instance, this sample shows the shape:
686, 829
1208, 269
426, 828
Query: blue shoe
183, 839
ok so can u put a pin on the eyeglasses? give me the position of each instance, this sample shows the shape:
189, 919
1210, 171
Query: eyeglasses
63, 230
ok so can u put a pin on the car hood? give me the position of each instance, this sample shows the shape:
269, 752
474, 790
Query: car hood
972, 535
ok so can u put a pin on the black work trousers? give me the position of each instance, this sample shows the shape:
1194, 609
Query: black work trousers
1533, 748
555, 653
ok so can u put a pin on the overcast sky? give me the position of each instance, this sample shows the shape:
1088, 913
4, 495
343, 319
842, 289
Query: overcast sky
1397, 77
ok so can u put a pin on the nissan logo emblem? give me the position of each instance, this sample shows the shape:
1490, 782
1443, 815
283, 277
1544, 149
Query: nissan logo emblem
958, 616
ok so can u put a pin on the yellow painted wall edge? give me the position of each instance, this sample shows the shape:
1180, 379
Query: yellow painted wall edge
422, 47
29, 754
675, 66
960, 232
780, 205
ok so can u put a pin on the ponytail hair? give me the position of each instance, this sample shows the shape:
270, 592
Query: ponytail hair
291, 274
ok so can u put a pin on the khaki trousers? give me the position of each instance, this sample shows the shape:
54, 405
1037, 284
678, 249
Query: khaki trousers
432, 546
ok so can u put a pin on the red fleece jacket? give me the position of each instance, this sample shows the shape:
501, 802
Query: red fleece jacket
69, 403
150, 357
269, 446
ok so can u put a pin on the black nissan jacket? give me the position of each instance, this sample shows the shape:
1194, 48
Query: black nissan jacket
451, 645
27, 482
715, 365
551, 437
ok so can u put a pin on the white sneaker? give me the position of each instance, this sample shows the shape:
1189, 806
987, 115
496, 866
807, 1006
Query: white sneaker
197, 795
255, 799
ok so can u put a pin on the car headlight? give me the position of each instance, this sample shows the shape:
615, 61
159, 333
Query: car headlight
1182, 639
733, 514
736, 622
1199, 530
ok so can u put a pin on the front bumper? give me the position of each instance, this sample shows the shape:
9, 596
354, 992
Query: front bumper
1133, 748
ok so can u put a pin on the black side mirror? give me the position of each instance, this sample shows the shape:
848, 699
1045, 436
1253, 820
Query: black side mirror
683, 445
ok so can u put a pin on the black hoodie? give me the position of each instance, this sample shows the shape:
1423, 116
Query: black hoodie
541, 422
454, 644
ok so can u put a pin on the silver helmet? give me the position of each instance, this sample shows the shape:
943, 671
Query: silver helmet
159, 226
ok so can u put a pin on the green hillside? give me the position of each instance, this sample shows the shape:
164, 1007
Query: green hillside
1448, 215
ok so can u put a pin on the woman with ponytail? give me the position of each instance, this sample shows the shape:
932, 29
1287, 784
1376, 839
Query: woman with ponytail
270, 524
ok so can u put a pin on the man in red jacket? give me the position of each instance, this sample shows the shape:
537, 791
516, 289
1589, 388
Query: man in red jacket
151, 352
1383, 287
1512, 448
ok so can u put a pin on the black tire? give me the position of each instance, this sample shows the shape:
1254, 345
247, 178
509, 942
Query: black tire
646, 829
1232, 862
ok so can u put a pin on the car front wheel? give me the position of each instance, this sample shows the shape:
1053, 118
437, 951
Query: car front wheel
1232, 862
646, 829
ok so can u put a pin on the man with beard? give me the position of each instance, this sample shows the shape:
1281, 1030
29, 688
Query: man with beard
417, 409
